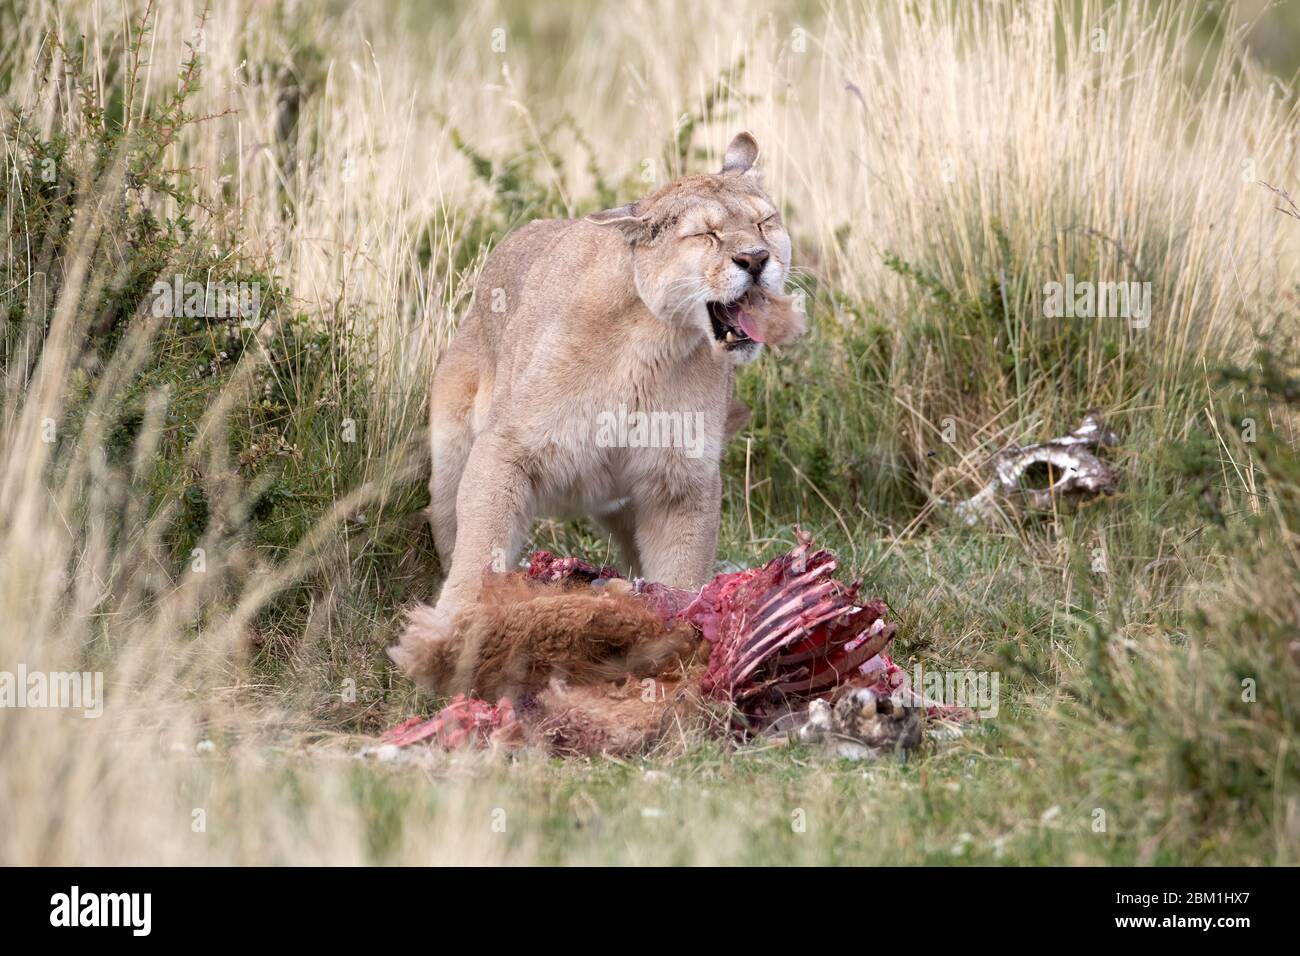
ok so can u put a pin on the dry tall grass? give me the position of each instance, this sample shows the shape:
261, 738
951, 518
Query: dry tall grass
1006, 142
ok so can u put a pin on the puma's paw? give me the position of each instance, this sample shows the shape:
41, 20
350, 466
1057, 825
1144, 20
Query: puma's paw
422, 644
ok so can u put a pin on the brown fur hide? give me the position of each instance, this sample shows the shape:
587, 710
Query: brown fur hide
777, 317
622, 718
521, 636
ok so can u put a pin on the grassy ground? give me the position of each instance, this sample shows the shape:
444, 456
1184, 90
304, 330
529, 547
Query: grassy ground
222, 515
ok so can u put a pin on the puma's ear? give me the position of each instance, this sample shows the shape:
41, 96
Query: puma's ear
627, 219
740, 154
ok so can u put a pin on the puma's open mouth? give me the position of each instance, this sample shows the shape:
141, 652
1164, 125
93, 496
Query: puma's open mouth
733, 325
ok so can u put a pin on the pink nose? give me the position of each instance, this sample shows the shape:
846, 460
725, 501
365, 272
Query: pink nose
752, 261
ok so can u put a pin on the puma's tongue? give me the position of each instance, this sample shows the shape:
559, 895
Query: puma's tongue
748, 325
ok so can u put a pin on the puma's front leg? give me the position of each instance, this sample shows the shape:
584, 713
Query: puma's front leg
494, 505
677, 534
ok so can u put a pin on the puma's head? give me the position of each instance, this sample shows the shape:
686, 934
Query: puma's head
702, 243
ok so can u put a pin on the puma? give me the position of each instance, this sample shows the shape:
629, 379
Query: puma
643, 310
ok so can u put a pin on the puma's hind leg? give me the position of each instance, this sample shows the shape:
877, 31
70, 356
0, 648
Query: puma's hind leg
456, 391
620, 525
